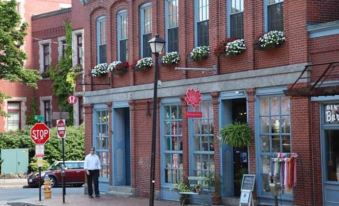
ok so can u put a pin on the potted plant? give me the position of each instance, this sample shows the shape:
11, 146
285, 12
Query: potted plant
118, 67
235, 47
183, 186
236, 135
200, 53
100, 70
171, 58
271, 39
144, 64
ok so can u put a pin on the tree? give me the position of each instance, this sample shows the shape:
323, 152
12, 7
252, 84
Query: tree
64, 71
12, 33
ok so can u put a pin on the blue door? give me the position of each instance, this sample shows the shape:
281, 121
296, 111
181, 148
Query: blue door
121, 147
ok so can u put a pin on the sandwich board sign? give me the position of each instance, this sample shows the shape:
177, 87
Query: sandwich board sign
247, 187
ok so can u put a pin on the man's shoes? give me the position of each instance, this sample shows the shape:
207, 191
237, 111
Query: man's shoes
97, 196
90, 196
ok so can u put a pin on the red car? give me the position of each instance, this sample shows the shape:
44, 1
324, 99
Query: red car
74, 174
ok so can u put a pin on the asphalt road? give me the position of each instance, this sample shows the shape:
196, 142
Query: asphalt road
17, 194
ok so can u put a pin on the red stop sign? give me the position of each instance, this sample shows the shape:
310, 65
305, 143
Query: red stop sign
40, 133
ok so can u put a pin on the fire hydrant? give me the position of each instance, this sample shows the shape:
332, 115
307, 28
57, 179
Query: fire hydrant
47, 188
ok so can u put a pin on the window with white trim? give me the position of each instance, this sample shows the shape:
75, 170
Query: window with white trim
236, 19
79, 50
47, 112
101, 141
201, 22
122, 30
14, 116
275, 15
145, 29
172, 25
46, 56
101, 39
173, 140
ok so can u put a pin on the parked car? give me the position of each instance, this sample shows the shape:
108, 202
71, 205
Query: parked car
74, 174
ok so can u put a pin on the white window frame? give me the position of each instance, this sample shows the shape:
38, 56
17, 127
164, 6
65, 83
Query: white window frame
75, 54
42, 109
60, 44
23, 108
142, 23
98, 39
41, 54
121, 14
167, 20
198, 18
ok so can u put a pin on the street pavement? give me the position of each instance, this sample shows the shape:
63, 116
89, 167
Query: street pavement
73, 199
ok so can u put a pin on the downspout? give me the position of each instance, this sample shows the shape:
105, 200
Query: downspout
310, 117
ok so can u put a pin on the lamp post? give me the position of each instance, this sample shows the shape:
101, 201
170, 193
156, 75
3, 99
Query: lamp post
156, 44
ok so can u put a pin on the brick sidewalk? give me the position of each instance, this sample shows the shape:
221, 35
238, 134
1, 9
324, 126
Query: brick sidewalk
83, 200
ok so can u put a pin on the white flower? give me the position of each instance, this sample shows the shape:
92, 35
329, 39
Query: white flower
113, 65
99, 70
171, 58
199, 53
144, 64
235, 47
272, 39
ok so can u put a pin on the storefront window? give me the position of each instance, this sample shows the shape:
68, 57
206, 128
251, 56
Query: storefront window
203, 147
332, 154
101, 141
173, 139
275, 133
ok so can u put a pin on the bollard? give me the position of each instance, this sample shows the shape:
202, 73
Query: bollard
47, 188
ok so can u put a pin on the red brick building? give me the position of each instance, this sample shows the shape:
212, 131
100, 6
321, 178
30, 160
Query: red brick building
286, 92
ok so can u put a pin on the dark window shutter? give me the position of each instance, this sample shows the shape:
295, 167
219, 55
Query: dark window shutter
203, 33
237, 25
173, 40
275, 17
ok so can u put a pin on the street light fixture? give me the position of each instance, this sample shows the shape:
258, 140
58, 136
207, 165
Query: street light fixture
157, 45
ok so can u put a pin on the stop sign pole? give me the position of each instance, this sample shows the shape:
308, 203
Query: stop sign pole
39, 135
61, 132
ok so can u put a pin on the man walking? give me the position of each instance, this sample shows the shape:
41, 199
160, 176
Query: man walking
92, 166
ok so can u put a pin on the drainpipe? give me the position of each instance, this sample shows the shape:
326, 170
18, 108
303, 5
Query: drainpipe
311, 147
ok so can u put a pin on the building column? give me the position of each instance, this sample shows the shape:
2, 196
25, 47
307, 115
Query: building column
88, 126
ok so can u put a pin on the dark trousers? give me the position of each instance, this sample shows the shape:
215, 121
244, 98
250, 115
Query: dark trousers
92, 178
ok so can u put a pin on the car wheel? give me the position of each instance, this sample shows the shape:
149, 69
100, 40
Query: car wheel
53, 181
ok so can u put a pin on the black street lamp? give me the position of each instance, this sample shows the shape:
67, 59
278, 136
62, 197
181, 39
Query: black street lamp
156, 44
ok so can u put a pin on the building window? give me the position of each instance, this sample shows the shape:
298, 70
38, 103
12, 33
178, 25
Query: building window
79, 49
201, 142
101, 39
81, 110
172, 22
46, 57
201, 22
47, 112
236, 19
14, 116
101, 141
274, 132
332, 155
275, 17
146, 29
172, 148
61, 47
122, 28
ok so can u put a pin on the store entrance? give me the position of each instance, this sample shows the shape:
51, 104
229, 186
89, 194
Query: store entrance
234, 160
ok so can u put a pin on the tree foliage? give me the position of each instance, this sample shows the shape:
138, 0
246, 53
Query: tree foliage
63, 76
74, 143
12, 57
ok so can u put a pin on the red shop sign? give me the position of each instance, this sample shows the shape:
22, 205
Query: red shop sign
193, 98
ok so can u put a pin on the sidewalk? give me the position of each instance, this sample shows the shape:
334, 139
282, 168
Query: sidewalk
83, 200
10, 183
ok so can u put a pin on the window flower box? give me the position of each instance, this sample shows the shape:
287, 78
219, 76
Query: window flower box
144, 64
235, 47
271, 39
200, 53
100, 70
118, 67
171, 58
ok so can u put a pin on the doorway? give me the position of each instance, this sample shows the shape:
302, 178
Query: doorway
234, 160
121, 147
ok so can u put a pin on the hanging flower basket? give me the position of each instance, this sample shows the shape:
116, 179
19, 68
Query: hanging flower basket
171, 58
118, 67
200, 53
100, 70
271, 39
144, 64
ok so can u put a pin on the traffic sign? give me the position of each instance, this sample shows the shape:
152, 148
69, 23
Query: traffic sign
40, 133
39, 150
72, 99
61, 128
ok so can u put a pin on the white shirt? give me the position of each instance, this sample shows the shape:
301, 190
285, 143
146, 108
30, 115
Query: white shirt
92, 162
